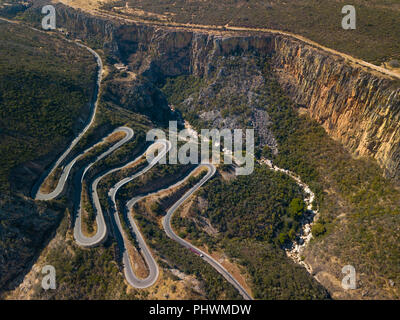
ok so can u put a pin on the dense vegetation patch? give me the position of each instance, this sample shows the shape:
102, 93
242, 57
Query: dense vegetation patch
273, 276
254, 215
45, 86
258, 206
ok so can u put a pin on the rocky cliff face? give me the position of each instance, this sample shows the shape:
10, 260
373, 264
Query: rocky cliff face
360, 109
357, 107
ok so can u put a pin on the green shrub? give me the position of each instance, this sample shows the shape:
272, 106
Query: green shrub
318, 229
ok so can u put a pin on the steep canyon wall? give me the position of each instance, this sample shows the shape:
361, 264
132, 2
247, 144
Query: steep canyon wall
356, 106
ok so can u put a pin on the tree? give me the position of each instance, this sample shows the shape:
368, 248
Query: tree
318, 229
283, 238
296, 208
292, 234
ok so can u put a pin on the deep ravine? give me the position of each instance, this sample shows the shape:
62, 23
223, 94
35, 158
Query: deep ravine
295, 249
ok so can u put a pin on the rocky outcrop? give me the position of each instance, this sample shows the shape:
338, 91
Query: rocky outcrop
138, 95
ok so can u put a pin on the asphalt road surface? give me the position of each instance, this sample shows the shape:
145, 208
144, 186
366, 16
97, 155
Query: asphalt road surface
169, 231
102, 231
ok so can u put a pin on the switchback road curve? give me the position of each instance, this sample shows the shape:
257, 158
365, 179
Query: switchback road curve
102, 232
122, 237
151, 264
36, 194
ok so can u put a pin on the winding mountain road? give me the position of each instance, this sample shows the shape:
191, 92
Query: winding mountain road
151, 264
102, 231
36, 194
122, 238
67, 169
